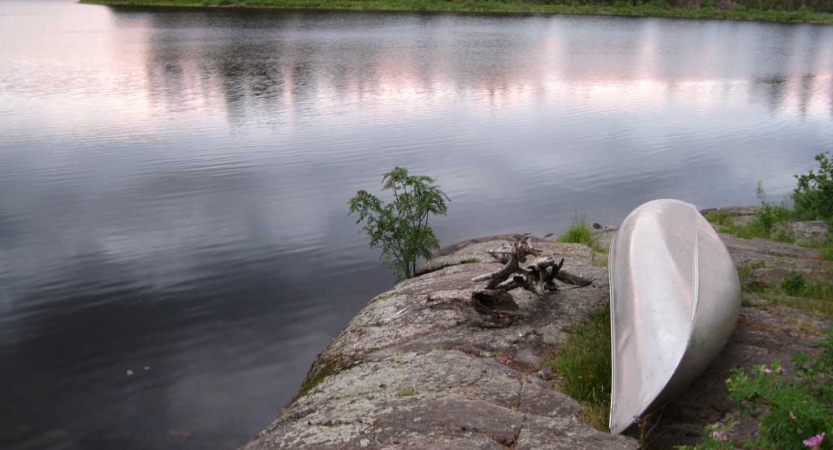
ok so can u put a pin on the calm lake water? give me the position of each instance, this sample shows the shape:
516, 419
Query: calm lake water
173, 184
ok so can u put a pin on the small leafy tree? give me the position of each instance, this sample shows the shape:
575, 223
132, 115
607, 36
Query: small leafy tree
813, 196
401, 226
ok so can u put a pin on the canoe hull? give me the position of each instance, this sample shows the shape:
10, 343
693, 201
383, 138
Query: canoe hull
674, 300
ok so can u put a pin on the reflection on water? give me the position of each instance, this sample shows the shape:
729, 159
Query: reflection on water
287, 68
174, 246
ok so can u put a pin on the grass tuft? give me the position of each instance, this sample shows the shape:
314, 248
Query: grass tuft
584, 366
823, 307
580, 233
747, 270
764, 225
797, 292
597, 415
825, 248
827, 251
795, 285
757, 228
577, 233
720, 218
598, 260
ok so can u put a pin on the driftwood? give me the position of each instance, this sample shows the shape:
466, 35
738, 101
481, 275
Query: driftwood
538, 277
512, 257
493, 306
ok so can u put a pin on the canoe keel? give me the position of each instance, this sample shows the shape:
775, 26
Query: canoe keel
674, 301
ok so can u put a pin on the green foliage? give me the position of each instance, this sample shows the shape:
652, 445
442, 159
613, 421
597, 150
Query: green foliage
719, 218
794, 291
821, 290
822, 307
789, 410
580, 233
825, 246
797, 286
813, 197
768, 215
584, 366
401, 227
827, 250
716, 437
762, 226
793, 284
577, 233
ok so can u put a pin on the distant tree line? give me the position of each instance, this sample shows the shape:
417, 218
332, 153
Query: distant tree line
720, 5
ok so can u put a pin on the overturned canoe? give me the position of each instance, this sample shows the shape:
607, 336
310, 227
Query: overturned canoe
674, 301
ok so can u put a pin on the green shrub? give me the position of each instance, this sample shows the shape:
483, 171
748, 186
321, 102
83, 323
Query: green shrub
794, 284
401, 227
813, 197
797, 286
762, 226
769, 215
791, 411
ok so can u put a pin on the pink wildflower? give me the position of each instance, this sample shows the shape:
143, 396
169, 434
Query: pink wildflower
792, 416
767, 370
719, 436
815, 441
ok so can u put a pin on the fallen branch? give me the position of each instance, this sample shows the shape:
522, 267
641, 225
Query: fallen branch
512, 257
538, 277
493, 306
566, 277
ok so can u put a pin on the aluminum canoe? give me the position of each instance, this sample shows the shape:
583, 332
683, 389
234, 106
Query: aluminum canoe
674, 301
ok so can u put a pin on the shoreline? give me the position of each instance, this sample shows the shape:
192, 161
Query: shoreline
514, 7
417, 368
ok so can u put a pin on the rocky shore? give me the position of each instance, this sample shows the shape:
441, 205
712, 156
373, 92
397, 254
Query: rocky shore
417, 368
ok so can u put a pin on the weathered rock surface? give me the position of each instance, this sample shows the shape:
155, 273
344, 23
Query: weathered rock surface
404, 374
805, 233
409, 372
